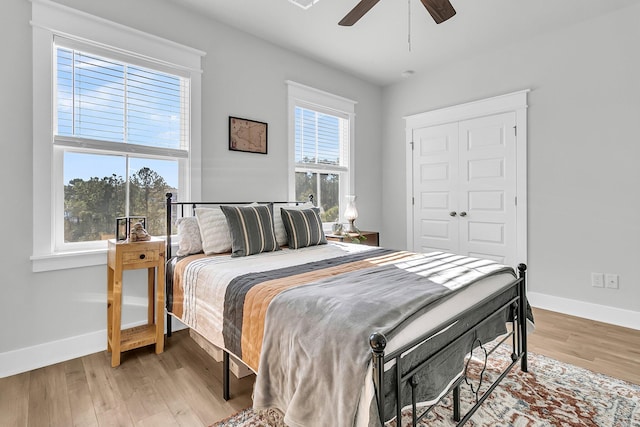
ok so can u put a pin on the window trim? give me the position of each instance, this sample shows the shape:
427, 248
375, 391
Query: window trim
49, 20
300, 95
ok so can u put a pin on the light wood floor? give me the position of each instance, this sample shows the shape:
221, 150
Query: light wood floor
599, 347
182, 386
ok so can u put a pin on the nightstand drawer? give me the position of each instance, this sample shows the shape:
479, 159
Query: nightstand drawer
140, 256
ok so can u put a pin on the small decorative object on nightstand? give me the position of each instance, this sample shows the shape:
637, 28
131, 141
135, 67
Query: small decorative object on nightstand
370, 238
138, 233
125, 224
129, 256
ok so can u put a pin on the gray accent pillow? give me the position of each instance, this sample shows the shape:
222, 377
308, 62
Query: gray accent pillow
251, 229
304, 227
278, 225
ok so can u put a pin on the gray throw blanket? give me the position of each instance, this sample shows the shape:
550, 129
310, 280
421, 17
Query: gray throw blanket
315, 351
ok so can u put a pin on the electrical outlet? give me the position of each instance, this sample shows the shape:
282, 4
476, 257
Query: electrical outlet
611, 280
597, 280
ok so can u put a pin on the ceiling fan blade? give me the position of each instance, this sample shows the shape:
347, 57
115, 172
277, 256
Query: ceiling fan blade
440, 10
357, 12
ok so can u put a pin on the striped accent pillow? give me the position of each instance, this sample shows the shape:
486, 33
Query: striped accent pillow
251, 229
304, 227
278, 225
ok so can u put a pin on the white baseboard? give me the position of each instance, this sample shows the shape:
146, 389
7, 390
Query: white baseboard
41, 355
587, 310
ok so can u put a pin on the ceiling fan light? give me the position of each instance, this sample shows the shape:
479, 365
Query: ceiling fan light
305, 4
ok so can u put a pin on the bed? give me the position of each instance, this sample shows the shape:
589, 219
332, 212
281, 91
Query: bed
338, 334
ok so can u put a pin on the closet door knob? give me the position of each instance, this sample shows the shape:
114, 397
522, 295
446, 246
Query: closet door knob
463, 214
453, 213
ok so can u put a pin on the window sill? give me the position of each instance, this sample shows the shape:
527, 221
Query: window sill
66, 260
76, 259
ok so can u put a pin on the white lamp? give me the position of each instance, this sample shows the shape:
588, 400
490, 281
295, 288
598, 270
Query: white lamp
351, 213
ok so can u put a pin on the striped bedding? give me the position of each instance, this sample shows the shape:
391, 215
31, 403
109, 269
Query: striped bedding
270, 301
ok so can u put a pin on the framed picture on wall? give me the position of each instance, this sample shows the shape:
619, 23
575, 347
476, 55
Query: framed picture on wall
247, 135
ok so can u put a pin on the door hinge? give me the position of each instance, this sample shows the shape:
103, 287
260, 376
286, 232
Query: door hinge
516, 200
515, 130
411, 144
413, 200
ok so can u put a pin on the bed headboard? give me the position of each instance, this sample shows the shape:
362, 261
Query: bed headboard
180, 207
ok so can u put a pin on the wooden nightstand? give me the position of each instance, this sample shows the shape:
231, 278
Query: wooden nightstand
130, 256
372, 238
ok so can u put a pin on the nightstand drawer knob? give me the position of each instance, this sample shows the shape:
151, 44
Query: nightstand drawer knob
142, 256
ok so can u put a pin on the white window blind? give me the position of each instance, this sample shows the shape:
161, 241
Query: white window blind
320, 138
104, 99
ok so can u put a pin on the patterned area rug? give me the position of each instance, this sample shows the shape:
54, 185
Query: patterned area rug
552, 393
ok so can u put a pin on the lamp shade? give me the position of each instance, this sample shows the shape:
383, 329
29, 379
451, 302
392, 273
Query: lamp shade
351, 212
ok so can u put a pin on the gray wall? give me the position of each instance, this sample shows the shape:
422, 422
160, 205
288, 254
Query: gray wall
243, 76
583, 149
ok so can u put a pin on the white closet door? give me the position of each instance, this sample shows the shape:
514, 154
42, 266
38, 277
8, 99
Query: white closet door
466, 164
435, 188
464, 186
487, 188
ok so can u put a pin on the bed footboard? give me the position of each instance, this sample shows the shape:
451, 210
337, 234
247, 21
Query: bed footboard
517, 307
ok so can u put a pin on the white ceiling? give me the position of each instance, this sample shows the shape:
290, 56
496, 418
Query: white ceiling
376, 48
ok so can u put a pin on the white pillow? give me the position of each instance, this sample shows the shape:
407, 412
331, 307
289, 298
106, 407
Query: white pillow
278, 225
216, 237
189, 239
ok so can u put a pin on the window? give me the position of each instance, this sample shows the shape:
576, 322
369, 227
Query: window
115, 128
321, 144
123, 136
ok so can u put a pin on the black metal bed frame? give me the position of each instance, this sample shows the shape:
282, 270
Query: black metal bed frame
517, 307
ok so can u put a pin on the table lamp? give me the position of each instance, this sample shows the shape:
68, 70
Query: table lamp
351, 213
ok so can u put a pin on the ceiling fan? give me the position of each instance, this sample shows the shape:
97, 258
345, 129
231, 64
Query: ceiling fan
440, 11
